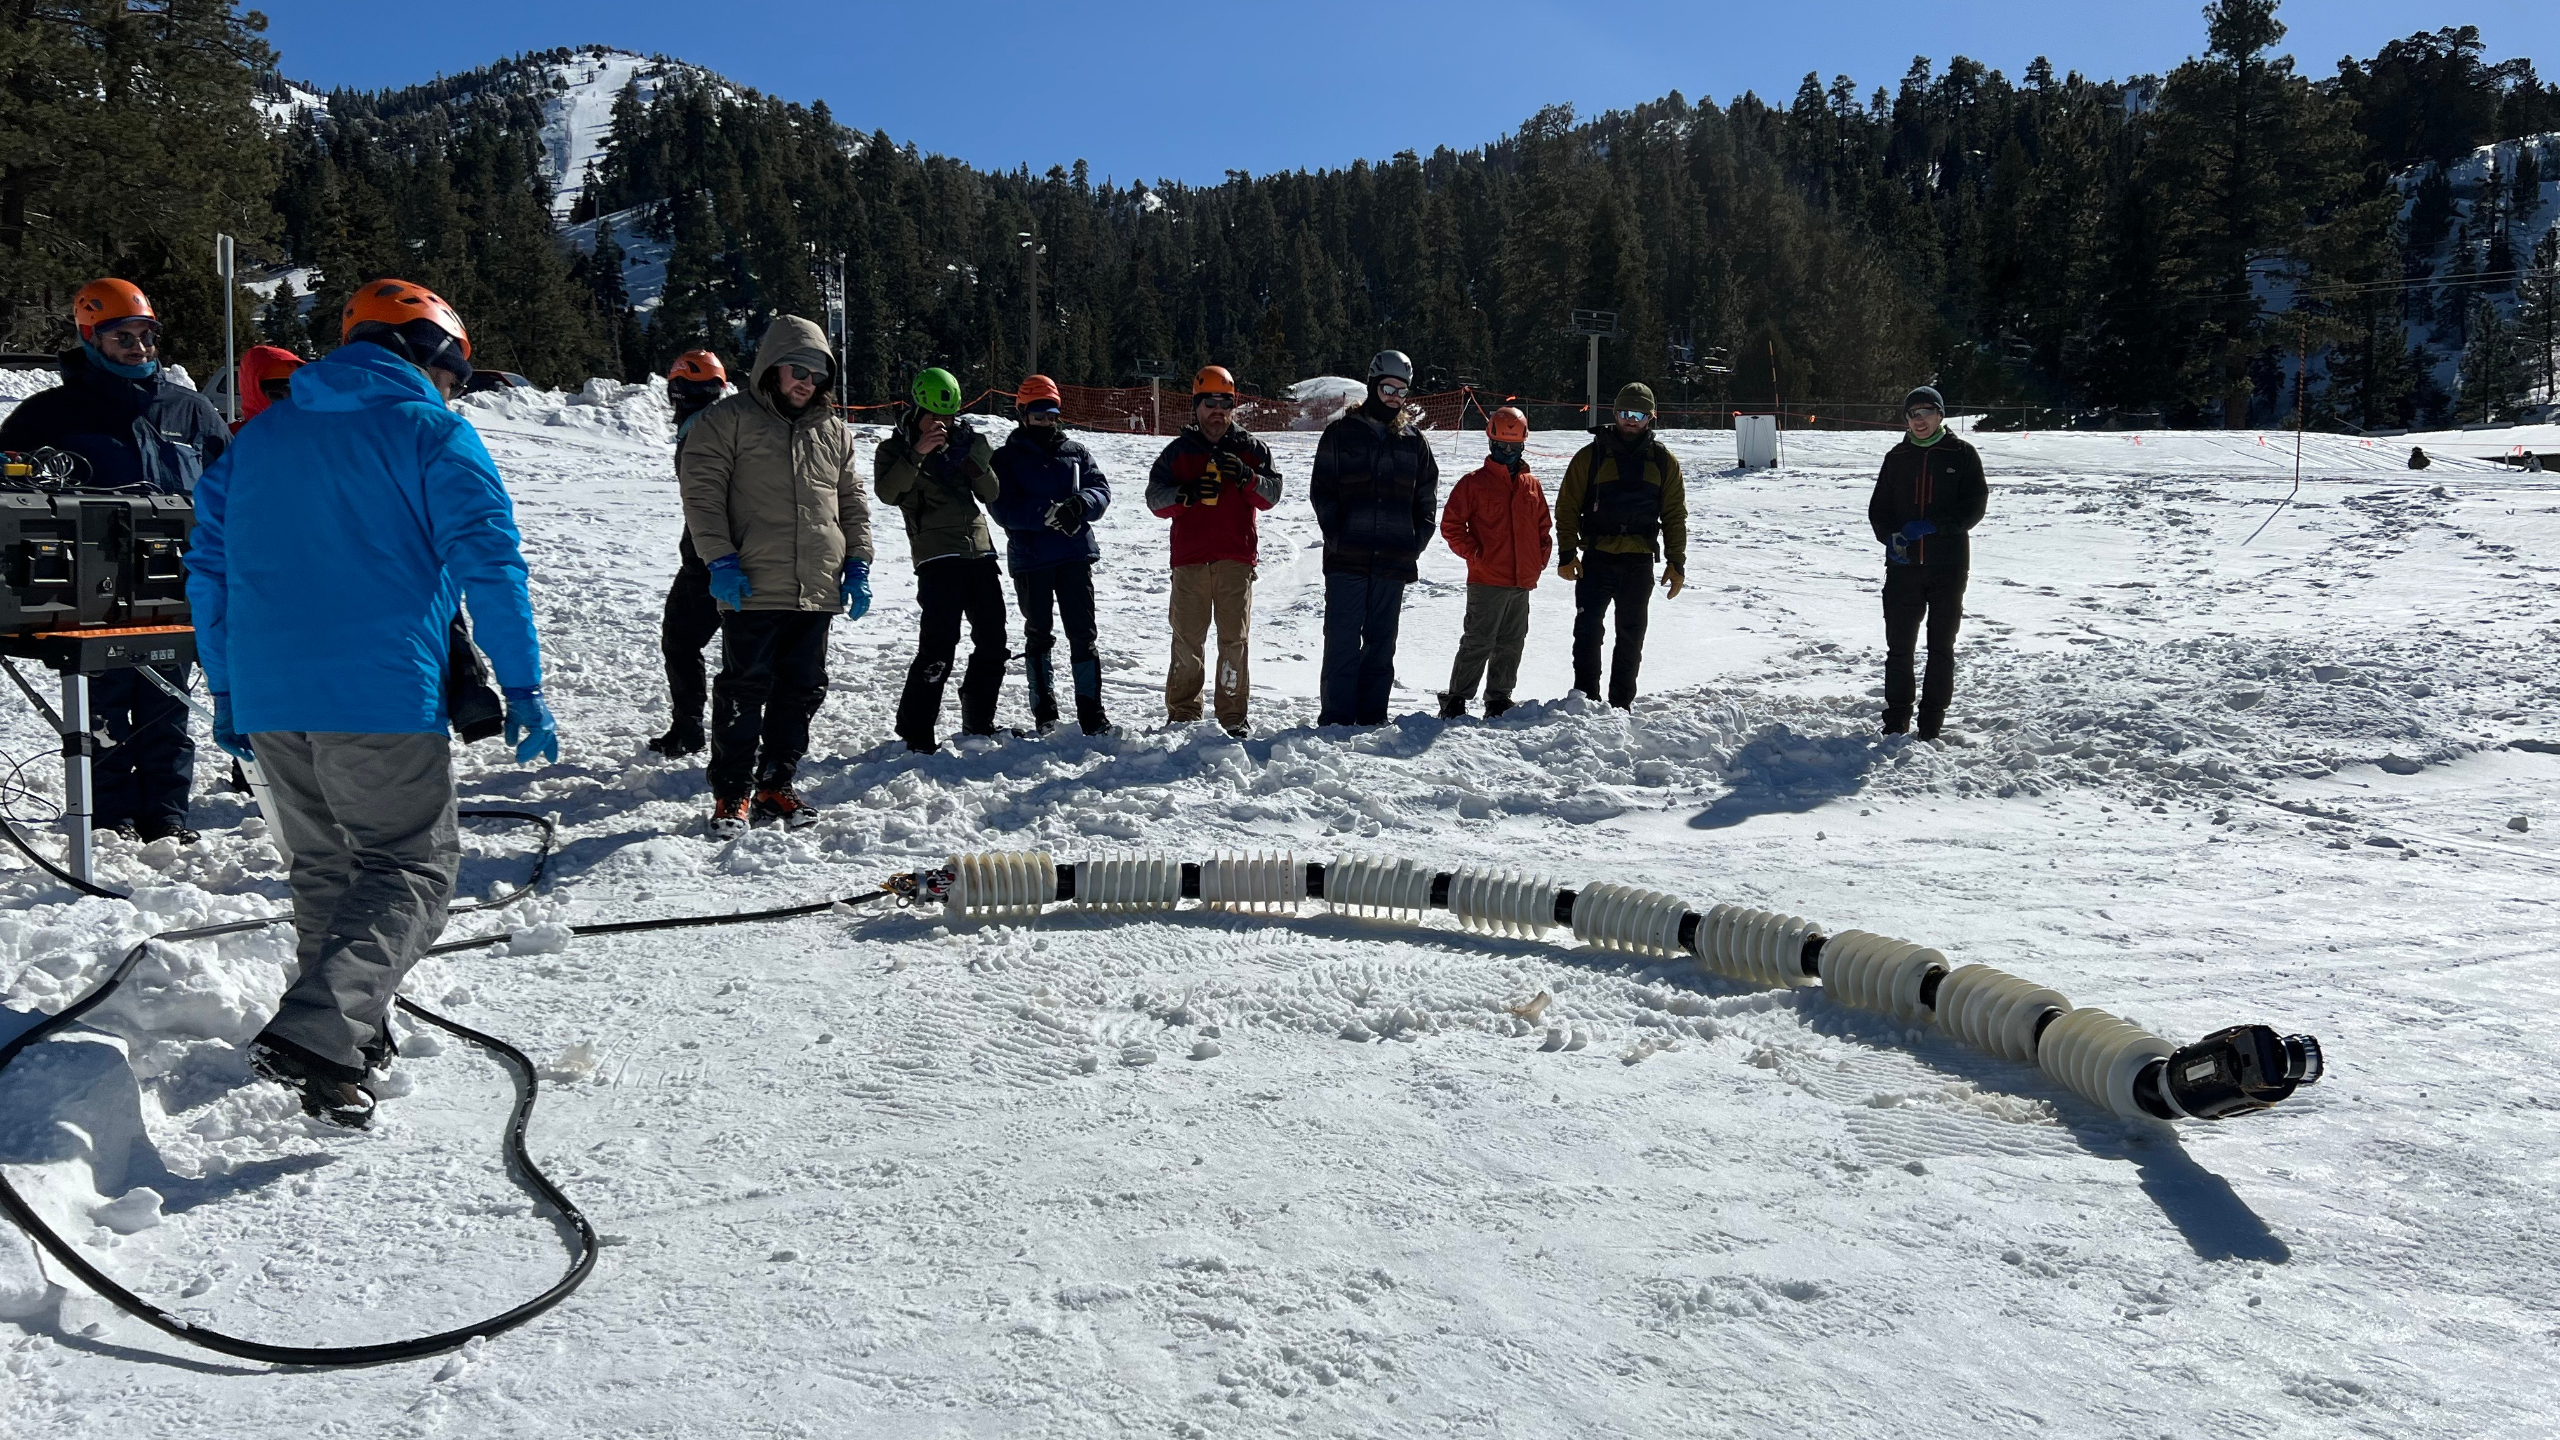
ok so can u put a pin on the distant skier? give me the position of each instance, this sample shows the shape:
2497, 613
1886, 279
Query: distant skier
1213, 482
331, 545
1049, 491
1376, 492
773, 501
940, 473
695, 382
1497, 521
1621, 504
131, 424
1928, 497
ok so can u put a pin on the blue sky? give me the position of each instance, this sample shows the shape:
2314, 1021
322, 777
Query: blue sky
1188, 91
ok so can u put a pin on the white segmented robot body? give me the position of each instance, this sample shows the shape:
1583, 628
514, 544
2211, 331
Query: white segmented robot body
1622, 917
2099, 1057
1995, 1011
1002, 884
1267, 884
1120, 884
1378, 885
1878, 973
1503, 902
1758, 947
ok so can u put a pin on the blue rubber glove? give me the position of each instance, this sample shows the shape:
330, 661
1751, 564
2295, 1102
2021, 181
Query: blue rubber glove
857, 588
729, 583
530, 727
227, 734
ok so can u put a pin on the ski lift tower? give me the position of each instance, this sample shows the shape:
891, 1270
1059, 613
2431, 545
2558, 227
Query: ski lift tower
1155, 372
1597, 325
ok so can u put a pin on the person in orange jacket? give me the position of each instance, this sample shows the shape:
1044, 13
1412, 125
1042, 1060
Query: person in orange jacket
1497, 519
266, 376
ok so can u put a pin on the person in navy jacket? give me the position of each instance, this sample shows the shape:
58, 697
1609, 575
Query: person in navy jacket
332, 543
1049, 492
133, 426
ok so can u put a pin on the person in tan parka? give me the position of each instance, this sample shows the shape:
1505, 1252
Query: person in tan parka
775, 505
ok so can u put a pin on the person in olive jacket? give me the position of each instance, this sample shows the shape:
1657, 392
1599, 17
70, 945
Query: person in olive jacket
1049, 491
1376, 492
773, 501
940, 473
1929, 495
1622, 497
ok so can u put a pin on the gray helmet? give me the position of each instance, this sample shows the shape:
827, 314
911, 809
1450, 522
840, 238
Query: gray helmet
1391, 365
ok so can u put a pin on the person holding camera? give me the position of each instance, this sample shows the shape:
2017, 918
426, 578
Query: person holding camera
1049, 491
940, 473
773, 501
1930, 493
332, 543
132, 425
1212, 482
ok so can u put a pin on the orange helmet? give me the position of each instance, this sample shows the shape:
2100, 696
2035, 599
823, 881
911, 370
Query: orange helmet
1212, 380
397, 302
699, 365
1037, 387
104, 302
1508, 427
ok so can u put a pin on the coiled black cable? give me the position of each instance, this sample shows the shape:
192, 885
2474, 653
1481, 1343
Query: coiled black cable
518, 1159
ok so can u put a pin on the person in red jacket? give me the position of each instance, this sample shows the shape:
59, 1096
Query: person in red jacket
1497, 519
1212, 482
266, 376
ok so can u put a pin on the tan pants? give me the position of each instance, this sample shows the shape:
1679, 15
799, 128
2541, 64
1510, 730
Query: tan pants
1220, 590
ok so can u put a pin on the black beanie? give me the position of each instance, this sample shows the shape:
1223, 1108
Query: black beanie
1926, 395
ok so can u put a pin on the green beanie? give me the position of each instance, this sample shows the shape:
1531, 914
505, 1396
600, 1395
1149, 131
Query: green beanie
1636, 395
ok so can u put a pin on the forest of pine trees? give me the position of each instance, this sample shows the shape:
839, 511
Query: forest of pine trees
2054, 243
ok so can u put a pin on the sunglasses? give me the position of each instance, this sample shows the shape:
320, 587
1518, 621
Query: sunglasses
803, 372
140, 332
1916, 411
1635, 415
1219, 402
275, 389
1393, 389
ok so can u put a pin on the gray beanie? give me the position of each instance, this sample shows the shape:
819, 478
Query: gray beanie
1926, 395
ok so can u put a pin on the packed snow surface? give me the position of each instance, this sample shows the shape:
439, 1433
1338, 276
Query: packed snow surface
884, 1173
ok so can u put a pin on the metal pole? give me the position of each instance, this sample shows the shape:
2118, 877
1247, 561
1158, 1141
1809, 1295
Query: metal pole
79, 801
1593, 380
222, 261
1155, 397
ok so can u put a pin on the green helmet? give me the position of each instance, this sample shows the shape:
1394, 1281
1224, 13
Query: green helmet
938, 390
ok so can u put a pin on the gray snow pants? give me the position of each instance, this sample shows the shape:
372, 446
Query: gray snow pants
370, 822
1497, 628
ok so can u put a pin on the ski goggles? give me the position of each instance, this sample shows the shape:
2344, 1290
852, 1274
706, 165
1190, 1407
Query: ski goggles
276, 389
1635, 414
1393, 389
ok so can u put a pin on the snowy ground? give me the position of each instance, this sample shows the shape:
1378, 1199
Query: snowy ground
880, 1175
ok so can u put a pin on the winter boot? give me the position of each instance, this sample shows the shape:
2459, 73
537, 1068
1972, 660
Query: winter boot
728, 818
1089, 716
1897, 722
331, 1092
1931, 722
1495, 704
781, 805
1452, 707
683, 738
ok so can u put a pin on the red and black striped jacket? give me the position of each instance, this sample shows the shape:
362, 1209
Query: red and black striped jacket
1941, 483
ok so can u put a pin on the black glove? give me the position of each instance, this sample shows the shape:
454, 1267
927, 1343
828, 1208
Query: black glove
1067, 516
1198, 488
1232, 468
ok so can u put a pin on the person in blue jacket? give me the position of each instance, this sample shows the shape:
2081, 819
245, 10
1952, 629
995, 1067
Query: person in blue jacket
133, 426
1049, 491
332, 544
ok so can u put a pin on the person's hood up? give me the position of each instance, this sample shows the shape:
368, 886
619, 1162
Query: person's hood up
262, 364
361, 376
786, 336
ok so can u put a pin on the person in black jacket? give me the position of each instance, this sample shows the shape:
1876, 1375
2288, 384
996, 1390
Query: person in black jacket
695, 382
1049, 491
132, 425
1928, 497
1376, 492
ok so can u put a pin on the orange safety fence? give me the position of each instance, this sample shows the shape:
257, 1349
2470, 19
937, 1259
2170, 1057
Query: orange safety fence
1142, 410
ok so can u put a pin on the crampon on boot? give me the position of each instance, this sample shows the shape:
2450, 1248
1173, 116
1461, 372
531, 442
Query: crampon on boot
781, 805
729, 818
331, 1093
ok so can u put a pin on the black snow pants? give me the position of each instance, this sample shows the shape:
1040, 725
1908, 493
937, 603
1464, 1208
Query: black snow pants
1914, 594
948, 591
773, 678
1626, 582
1050, 597
143, 776
686, 626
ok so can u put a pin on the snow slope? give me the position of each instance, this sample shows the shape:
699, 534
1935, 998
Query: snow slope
883, 1174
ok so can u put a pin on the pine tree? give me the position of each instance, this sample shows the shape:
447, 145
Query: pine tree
2538, 319
282, 324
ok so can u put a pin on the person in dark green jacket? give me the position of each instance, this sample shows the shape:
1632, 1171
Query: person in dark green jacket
940, 473
1621, 504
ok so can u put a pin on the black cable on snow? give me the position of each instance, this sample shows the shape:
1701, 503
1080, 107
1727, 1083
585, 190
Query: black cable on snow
518, 1158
